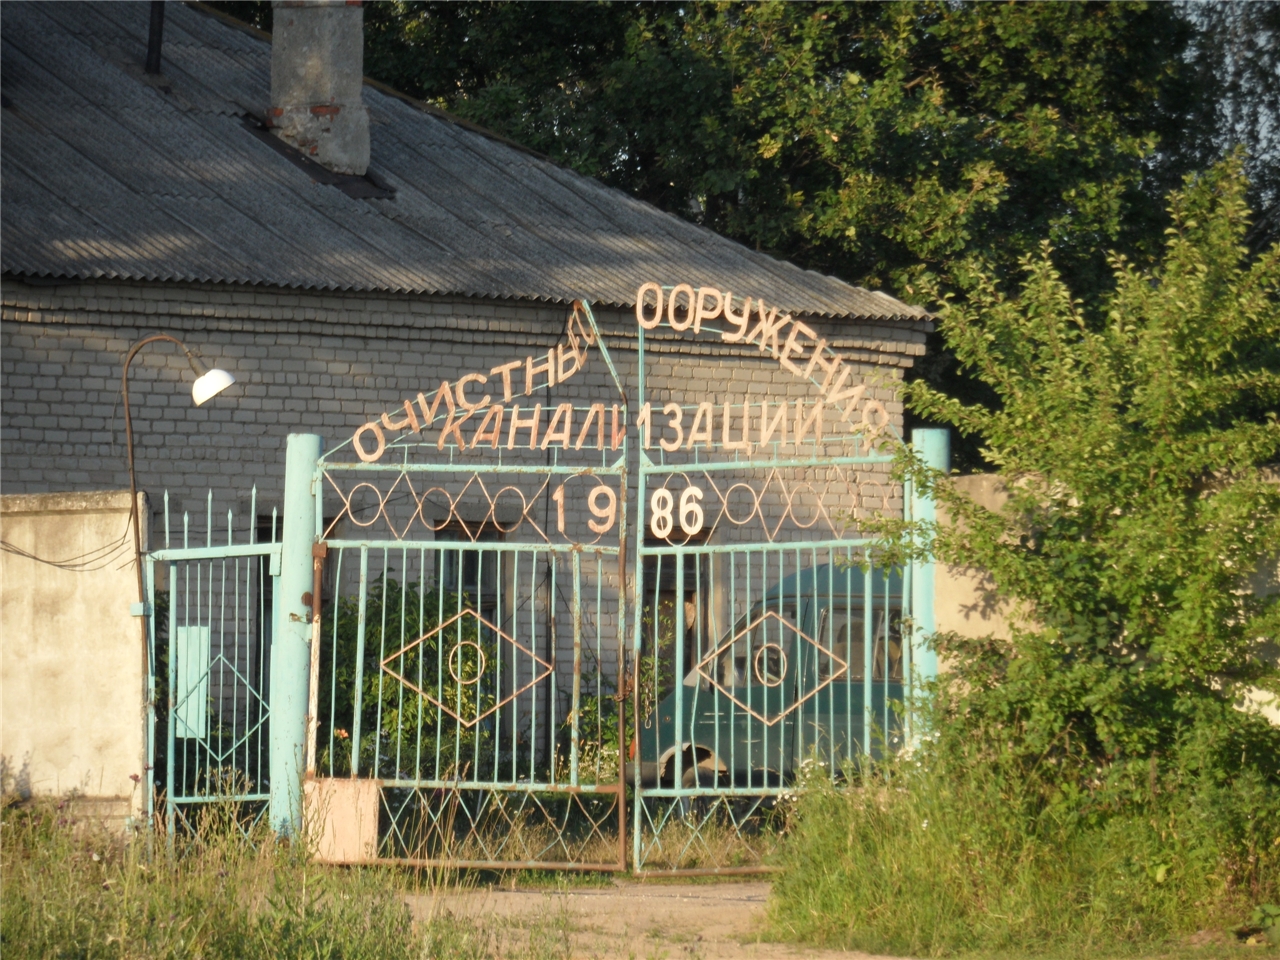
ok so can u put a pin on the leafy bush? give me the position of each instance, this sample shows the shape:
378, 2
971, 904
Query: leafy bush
1134, 448
402, 734
1089, 778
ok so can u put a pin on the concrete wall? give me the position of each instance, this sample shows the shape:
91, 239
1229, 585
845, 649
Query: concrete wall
965, 600
72, 659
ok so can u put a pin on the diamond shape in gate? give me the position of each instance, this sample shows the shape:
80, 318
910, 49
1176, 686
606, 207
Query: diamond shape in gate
459, 674
772, 689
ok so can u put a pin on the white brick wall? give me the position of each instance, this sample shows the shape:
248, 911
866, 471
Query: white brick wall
303, 361
328, 363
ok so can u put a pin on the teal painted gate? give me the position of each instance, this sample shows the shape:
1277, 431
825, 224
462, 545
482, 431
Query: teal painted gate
212, 614
768, 646
447, 617
471, 654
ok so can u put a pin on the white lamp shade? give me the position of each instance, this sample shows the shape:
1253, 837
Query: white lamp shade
210, 385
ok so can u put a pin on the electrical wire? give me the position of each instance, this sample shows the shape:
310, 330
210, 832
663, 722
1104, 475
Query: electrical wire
87, 562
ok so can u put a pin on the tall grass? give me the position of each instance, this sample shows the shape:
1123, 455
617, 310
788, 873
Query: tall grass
70, 890
940, 859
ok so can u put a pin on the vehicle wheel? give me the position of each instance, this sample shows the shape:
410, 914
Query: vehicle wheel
703, 775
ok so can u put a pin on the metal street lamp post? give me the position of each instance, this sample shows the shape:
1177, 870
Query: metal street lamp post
209, 383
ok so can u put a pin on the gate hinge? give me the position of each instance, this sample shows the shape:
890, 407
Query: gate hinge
139, 609
319, 550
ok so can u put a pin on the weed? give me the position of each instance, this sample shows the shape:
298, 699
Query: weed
71, 890
711, 832
550, 934
447, 936
946, 858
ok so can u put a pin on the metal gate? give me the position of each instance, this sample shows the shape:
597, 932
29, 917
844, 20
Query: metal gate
472, 686
471, 650
210, 625
768, 646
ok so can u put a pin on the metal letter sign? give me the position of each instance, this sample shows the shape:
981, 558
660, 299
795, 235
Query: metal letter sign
473, 655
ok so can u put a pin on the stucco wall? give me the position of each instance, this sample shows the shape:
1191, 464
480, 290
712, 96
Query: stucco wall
72, 658
965, 599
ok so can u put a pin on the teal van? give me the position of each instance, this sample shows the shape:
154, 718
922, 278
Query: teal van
793, 678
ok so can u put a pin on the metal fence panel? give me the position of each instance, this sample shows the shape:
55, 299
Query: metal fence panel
472, 641
212, 614
768, 646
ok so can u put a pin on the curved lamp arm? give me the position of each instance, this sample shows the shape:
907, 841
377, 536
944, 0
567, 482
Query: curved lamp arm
208, 384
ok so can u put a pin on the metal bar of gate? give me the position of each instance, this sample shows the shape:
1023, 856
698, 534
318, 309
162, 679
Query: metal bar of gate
468, 669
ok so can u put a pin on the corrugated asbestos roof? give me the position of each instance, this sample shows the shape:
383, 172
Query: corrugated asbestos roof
105, 174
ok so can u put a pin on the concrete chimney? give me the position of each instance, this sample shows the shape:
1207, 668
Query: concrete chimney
317, 71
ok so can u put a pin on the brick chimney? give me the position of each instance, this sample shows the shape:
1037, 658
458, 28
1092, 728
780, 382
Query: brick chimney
317, 71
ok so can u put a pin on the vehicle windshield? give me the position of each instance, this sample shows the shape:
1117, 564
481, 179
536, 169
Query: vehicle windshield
842, 630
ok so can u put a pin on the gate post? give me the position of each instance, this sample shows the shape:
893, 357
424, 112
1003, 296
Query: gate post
933, 446
291, 642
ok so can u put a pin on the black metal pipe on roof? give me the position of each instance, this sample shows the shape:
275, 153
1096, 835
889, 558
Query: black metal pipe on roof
155, 38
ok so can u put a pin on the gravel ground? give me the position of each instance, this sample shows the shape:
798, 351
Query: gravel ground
628, 921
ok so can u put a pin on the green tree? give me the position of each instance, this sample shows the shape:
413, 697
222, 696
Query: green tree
1088, 781
903, 136
1135, 453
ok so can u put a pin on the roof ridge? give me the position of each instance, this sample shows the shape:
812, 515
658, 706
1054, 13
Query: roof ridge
569, 234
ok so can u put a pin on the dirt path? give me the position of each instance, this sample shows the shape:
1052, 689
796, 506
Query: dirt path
627, 921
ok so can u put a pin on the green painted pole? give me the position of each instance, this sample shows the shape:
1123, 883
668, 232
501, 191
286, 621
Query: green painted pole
291, 641
933, 445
